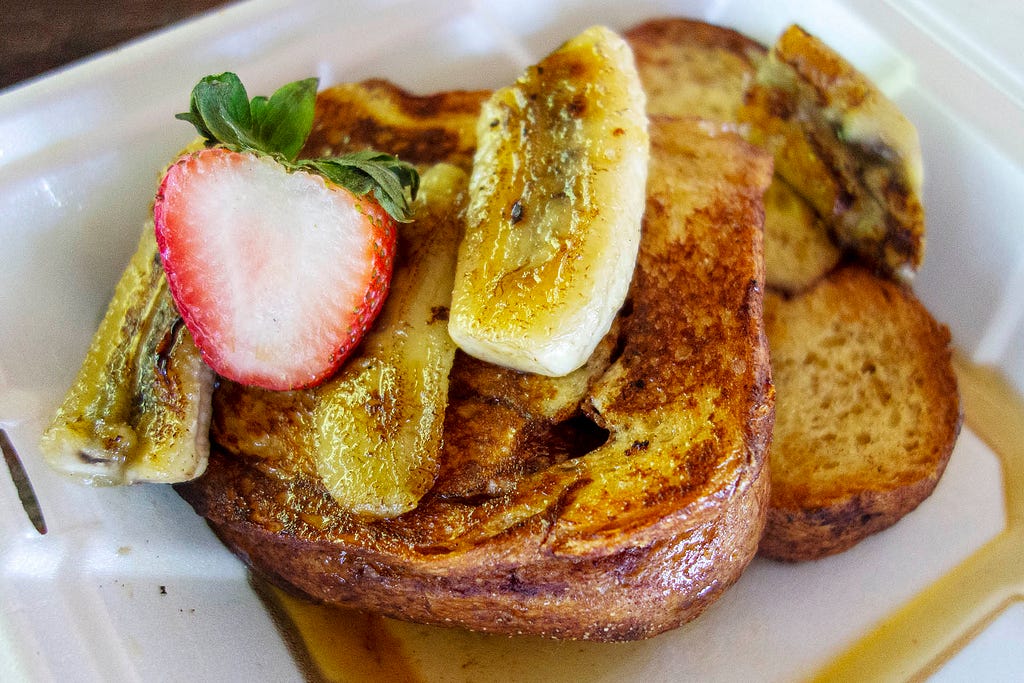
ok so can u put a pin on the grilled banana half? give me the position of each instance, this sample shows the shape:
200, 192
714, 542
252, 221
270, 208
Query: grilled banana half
556, 200
843, 146
139, 409
378, 423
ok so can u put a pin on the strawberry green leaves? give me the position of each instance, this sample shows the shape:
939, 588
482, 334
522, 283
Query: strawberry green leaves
282, 122
222, 112
220, 109
369, 171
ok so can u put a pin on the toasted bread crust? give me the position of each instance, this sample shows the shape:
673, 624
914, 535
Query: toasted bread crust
816, 507
630, 594
691, 68
377, 114
867, 411
620, 542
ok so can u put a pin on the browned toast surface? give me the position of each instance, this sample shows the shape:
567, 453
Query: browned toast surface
866, 413
612, 504
376, 114
691, 68
848, 346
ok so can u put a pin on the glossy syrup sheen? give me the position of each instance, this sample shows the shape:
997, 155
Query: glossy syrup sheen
340, 645
332, 644
919, 637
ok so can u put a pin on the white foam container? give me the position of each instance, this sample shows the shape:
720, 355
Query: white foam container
128, 584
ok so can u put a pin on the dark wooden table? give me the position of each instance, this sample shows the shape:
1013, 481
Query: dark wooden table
37, 36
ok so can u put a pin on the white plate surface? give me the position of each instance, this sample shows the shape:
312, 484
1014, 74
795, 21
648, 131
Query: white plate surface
128, 584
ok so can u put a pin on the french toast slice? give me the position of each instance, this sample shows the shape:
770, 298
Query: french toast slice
617, 502
691, 68
856, 357
866, 412
377, 114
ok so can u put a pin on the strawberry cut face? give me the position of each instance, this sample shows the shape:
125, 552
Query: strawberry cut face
276, 274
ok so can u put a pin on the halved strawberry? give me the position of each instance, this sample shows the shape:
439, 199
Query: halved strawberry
277, 273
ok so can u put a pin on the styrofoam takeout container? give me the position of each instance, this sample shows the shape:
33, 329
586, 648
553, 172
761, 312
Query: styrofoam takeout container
128, 584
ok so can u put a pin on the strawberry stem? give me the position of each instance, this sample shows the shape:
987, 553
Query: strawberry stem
221, 111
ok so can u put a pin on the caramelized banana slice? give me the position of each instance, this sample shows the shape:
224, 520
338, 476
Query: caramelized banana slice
378, 423
556, 198
139, 410
842, 145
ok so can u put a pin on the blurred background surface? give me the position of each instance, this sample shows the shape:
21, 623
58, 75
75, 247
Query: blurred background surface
40, 36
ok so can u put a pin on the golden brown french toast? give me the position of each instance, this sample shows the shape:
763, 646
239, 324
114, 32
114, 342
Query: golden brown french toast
376, 114
866, 414
691, 68
610, 504
867, 410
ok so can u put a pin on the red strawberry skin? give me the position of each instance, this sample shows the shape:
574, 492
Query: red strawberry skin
277, 274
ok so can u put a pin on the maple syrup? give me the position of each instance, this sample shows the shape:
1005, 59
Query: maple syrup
332, 644
917, 639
